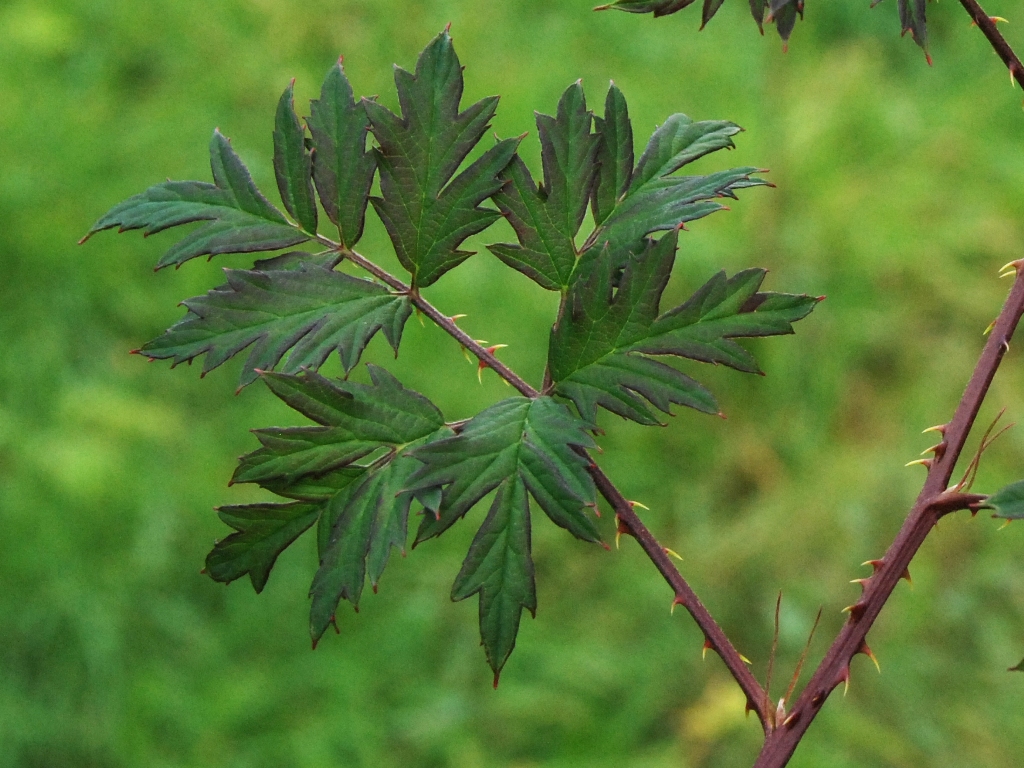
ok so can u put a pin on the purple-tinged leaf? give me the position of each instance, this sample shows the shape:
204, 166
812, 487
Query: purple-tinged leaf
365, 524
546, 220
262, 532
615, 154
709, 10
306, 313
363, 510
293, 164
427, 214
598, 349
531, 439
342, 168
239, 219
630, 204
499, 569
657, 7
382, 412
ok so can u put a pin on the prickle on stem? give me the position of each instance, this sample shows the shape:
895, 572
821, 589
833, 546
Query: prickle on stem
866, 650
677, 600
491, 350
844, 678
856, 611
704, 653
620, 528
1011, 268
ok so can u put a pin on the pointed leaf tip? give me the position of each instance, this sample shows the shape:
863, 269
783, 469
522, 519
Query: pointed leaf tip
426, 212
238, 218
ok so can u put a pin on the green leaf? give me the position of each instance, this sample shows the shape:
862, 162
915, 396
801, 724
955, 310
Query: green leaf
1007, 502
298, 451
342, 168
615, 154
293, 164
782, 12
912, 19
597, 353
631, 204
530, 439
546, 220
709, 10
499, 568
427, 214
384, 411
306, 312
366, 524
239, 218
657, 7
357, 419
362, 510
263, 531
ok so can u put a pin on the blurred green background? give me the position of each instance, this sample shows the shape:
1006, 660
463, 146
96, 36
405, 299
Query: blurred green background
900, 193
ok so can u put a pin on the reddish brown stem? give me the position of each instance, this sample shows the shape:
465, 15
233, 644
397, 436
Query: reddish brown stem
995, 37
684, 594
933, 502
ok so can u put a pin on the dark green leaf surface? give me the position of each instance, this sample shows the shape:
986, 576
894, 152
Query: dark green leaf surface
263, 531
367, 522
597, 349
630, 204
615, 154
518, 437
291, 452
912, 19
500, 569
383, 411
782, 12
342, 169
427, 214
293, 164
239, 219
1007, 502
546, 220
1018, 668
310, 311
362, 510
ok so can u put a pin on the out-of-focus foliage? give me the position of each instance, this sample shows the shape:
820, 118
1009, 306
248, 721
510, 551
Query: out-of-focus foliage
899, 197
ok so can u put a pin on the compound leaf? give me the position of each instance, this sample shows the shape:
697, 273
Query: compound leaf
263, 531
1007, 502
309, 311
239, 219
598, 349
531, 439
427, 214
630, 204
547, 219
383, 411
365, 524
342, 168
500, 569
362, 510
293, 164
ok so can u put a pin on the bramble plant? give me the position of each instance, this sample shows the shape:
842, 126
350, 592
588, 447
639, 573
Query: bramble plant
380, 450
